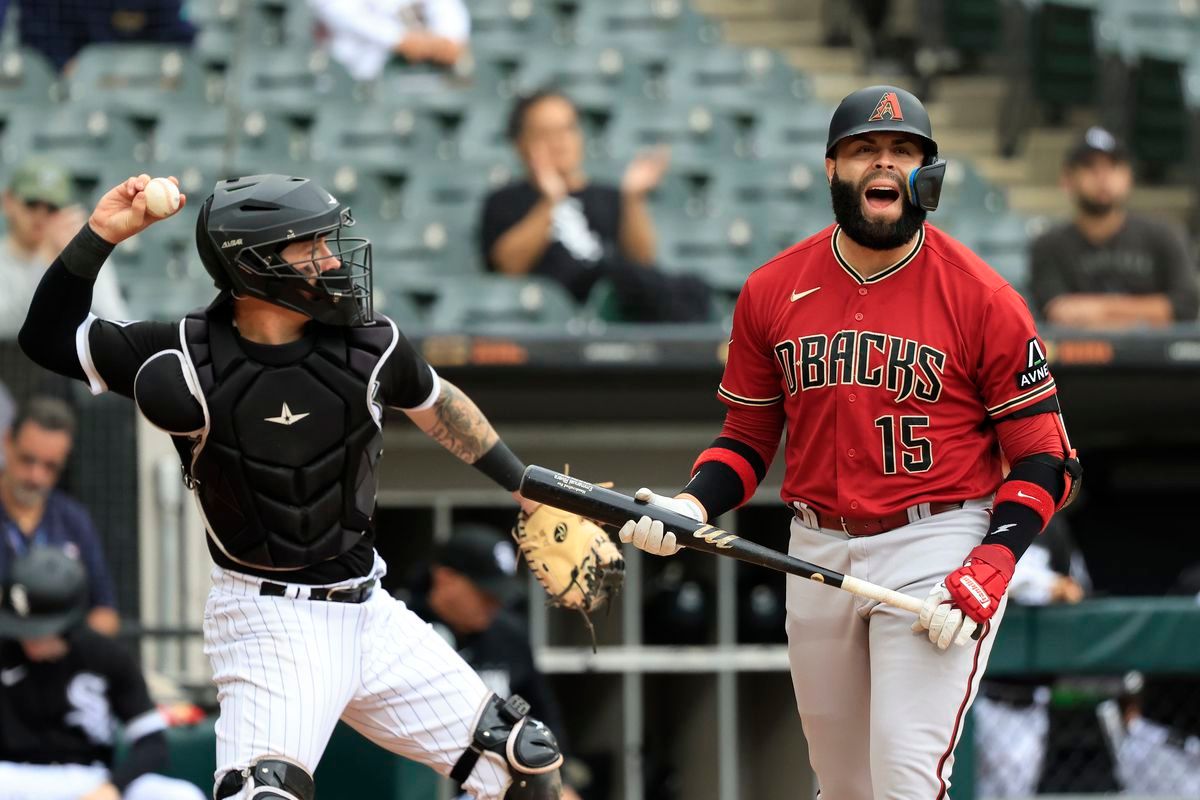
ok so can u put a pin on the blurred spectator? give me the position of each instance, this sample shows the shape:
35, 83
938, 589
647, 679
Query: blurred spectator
41, 220
63, 691
1153, 759
61, 28
1015, 711
35, 514
468, 595
364, 34
7, 409
1108, 267
559, 224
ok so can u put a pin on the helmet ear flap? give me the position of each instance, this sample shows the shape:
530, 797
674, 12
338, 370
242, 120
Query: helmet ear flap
212, 259
925, 184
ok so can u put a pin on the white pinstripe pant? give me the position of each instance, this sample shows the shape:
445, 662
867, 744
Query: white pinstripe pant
287, 669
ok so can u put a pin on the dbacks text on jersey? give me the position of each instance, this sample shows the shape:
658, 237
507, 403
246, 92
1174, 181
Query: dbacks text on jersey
865, 358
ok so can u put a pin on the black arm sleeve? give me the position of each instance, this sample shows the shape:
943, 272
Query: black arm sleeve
148, 754
1015, 525
63, 299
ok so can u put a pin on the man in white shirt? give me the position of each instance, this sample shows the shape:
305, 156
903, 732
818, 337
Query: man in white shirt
364, 34
41, 220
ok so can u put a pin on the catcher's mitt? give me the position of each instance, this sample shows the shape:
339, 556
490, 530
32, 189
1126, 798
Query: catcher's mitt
574, 559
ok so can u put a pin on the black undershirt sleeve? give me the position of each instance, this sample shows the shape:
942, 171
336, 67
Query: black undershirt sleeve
62, 303
405, 379
146, 755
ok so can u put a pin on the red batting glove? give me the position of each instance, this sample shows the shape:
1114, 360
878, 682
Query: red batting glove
977, 586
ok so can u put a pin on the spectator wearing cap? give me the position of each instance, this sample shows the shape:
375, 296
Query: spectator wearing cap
41, 221
1109, 267
33, 513
64, 689
365, 34
471, 587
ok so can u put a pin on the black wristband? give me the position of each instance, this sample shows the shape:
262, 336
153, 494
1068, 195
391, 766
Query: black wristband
501, 466
717, 487
85, 254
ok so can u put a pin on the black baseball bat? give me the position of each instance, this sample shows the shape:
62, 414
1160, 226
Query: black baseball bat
613, 508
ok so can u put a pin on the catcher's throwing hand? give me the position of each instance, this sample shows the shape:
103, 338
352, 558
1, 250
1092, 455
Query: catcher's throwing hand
648, 534
572, 557
121, 212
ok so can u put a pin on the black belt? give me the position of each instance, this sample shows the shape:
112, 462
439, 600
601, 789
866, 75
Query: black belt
336, 594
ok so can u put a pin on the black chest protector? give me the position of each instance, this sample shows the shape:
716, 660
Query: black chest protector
285, 468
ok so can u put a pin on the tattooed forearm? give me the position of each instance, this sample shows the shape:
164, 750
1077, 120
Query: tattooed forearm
459, 425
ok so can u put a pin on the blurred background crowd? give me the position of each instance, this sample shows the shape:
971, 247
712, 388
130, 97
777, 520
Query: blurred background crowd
564, 197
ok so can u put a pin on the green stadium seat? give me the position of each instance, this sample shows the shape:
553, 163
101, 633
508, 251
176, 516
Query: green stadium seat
694, 132
277, 24
26, 79
723, 249
297, 82
267, 142
505, 23
791, 131
423, 252
749, 80
374, 137
495, 302
457, 188
644, 25
198, 137
966, 191
595, 71
84, 140
137, 79
1063, 52
481, 136
400, 306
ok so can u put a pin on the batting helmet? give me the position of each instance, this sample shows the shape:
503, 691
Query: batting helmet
45, 594
890, 108
246, 222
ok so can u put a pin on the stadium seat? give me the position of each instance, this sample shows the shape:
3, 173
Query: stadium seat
374, 198
648, 26
267, 142
694, 132
966, 191
277, 24
374, 137
794, 131
297, 83
722, 250
421, 253
749, 80
599, 71
83, 140
26, 79
194, 136
505, 23
137, 79
453, 188
494, 302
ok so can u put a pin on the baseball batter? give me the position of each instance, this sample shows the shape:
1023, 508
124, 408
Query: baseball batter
904, 370
274, 398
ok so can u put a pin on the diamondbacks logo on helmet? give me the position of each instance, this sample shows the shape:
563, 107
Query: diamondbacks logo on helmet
888, 107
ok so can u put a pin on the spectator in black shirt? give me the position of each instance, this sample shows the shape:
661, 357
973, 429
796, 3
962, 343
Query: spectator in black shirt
467, 595
1108, 267
63, 691
559, 224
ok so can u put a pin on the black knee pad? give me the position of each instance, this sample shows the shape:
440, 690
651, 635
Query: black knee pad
527, 746
271, 778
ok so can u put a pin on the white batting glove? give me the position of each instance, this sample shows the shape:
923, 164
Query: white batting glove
945, 623
647, 534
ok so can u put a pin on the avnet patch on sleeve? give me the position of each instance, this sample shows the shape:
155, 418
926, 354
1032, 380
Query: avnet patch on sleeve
1037, 368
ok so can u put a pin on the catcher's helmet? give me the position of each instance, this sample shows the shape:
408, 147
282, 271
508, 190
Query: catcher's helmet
45, 595
890, 108
246, 222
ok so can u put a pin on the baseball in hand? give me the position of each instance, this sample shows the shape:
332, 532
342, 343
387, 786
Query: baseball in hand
162, 197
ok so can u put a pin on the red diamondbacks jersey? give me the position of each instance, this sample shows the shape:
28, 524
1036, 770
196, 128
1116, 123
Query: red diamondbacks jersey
890, 384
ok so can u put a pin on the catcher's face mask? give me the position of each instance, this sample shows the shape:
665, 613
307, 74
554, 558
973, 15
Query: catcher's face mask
326, 275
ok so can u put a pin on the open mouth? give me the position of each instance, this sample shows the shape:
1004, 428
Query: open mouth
880, 196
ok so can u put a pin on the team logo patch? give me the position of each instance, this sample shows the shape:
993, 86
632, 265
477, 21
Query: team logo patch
888, 108
1037, 369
